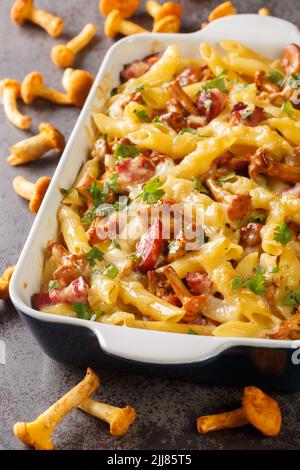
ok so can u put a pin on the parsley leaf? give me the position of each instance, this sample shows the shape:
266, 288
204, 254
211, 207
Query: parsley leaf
288, 108
275, 270
257, 218
189, 130
282, 234
115, 244
53, 285
236, 283
217, 82
133, 257
157, 120
126, 151
199, 186
114, 183
192, 332
97, 194
229, 178
111, 270
114, 91
293, 298
93, 254
152, 192
66, 192
256, 283
137, 88
141, 115
276, 77
82, 311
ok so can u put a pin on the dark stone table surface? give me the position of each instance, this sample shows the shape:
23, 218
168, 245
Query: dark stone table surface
30, 381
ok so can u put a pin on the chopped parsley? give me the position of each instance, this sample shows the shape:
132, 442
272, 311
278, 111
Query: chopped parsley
115, 244
288, 108
53, 285
114, 183
229, 178
152, 191
256, 283
114, 91
190, 130
199, 186
293, 298
66, 192
137, 88
126, 151
93, 254
157, 120
133, 257
282, 234
257, 218
99, 196
111, 270
276, 77
217, 82
275, 270
293, 81
192, 332
141, 115
83, 311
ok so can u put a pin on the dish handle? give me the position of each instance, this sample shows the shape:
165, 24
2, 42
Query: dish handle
157, 347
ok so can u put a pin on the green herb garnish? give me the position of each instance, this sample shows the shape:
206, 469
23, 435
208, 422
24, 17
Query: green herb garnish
293, 298
288, 108
93, 254
126, 151
152, 191
217, 82
229, 178
282, 234
257, 218
66, 192
114, 91
53, 285
111, 270
82, 311
115, 244
141, 115
276, 77
199, 186
192, 332
236, 283
190, 130
256, 283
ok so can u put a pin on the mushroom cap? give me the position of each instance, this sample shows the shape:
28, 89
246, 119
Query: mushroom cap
112, 22
20, 11
167, 24
30, 85
40, 189
125, 7
121, 422
167, 9
55, 137
32, 438
10, 83
62, 56
77, 84
262, 411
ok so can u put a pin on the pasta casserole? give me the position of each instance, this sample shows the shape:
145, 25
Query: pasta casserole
186, 216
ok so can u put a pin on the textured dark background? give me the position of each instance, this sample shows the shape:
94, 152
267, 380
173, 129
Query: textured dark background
30, 381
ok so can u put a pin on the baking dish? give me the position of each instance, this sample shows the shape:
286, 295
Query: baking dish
235, 361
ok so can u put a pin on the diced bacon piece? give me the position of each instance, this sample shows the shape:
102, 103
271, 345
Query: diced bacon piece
101, 148
190, 75
41, 300
199, 283
76, 292
242, 115
211, 103
250, 234
150, 248
134, 70
294, 191
173, 299
135, 169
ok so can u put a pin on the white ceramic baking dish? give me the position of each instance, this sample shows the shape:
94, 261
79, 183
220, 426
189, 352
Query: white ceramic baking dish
267, 35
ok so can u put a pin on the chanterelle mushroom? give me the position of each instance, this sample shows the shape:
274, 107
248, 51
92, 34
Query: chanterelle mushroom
4, 283
36, 146
119, 419
37, 434
167, 24
33, 192
63, 55
115, 24
258, 409
158, 11
33, 87
10, 90
23, 10
125, 7
77, 84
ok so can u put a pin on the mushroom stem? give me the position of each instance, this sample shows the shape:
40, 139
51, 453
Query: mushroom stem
83, 38
33, 87
4, 282
179, 94
153, 8
50, 23
227, 420
33, 148
38, 433
238, 205
115, 24
23, 187
127, 28
158, 11
10, 90
119, 419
